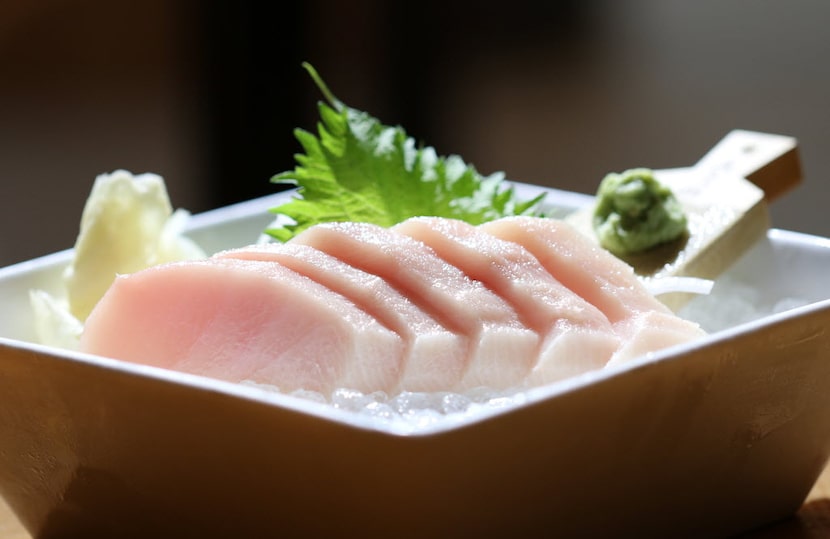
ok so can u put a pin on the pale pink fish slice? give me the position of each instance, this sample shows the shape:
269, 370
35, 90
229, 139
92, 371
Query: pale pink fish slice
502, 350
430, 347
240, 320
602, 279
577, 337
652, 331
590, 271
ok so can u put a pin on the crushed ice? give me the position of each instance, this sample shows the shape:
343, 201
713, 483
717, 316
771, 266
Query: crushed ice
410, 410
733, 302
422, 410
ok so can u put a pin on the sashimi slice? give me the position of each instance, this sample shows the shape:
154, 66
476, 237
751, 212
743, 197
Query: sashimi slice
430, 347
571, 350
652, 331
602, 279
240, 320
590, 271
577, 336
502, 350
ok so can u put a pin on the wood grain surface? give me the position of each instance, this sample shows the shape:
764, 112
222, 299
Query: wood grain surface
811, 522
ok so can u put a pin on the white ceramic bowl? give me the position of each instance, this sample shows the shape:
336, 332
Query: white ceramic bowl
704, 439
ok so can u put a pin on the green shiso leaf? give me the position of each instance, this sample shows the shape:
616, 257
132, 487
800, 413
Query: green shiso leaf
357, 169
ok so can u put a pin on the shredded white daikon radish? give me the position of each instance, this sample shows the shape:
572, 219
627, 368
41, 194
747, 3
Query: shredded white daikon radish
688, 285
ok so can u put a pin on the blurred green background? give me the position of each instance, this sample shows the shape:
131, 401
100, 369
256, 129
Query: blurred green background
557, 93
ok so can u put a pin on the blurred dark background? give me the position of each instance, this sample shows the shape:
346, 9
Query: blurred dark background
556, 92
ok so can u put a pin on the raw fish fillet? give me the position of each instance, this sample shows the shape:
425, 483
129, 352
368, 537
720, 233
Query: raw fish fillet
643, 323
240, 320
428, 305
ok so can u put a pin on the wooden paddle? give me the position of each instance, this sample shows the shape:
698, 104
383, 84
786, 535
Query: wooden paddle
725, 197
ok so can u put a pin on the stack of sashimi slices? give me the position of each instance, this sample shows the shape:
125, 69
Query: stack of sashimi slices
431, 304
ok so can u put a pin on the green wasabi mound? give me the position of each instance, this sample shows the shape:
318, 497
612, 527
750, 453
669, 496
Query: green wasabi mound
635, 212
